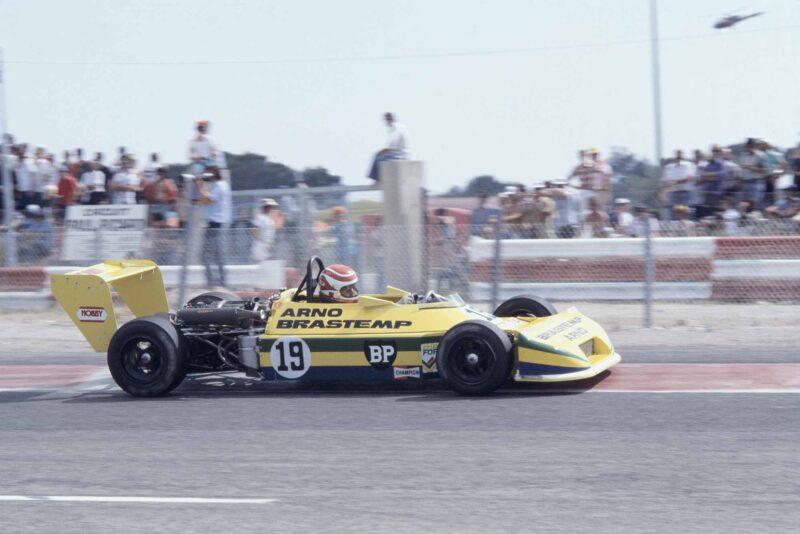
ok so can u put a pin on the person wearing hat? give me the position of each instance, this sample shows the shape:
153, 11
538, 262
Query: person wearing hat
683, 225
568, 207
264, 230
202, 150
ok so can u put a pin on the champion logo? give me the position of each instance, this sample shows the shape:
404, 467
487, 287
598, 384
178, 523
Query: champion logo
92, 314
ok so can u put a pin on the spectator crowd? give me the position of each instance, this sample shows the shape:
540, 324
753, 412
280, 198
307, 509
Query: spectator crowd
714, 193
723, 192
39, 178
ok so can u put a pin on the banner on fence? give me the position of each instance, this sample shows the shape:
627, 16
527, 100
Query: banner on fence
104, 232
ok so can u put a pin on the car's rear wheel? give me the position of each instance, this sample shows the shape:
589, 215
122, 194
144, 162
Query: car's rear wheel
475, 357
211, 298
525, 305
146, 357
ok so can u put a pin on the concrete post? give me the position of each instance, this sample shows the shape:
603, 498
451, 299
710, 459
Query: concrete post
404, 232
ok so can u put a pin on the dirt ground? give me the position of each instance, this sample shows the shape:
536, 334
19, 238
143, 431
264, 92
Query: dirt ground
701, 324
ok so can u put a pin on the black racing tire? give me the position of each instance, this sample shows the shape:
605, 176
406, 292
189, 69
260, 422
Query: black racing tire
525, 305
211, 298
155, 338
475, 357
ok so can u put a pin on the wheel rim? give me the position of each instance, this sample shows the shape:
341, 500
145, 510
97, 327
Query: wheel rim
521, 312
472, 360
142, 360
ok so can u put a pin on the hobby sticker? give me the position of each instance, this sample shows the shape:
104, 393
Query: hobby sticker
92, 314
402, 373
380, 353
428, 351
290, 357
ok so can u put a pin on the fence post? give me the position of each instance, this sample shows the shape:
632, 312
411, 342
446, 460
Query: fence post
188, 231
496, 265
98, 243
649, 269
8, 208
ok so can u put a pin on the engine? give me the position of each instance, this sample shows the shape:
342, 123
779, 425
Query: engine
242, 314
222, 334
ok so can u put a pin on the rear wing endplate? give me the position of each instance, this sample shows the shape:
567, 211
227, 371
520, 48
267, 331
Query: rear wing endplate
85, 295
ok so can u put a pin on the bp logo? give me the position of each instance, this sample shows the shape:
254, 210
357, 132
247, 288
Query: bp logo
380, 353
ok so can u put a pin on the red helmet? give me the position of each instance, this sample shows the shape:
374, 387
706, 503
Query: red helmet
337, 283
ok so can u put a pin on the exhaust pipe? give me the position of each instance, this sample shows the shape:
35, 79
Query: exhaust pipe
236, 317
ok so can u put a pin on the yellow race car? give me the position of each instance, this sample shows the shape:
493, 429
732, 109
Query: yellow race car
293, 336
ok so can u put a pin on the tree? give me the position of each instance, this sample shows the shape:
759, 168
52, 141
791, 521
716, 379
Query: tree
254, 171
634, 178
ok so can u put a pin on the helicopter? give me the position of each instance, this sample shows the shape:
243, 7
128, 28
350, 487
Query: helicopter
728, 21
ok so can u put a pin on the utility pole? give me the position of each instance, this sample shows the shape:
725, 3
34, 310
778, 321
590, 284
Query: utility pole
8, 193
648, 282
656, 80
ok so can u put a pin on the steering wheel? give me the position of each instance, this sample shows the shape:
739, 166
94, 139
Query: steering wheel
309, 281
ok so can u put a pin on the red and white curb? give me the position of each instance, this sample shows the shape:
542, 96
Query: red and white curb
64, 378
700, 378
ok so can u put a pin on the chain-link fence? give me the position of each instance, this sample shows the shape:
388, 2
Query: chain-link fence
663, 277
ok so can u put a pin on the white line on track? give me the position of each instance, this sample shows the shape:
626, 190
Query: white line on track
132, 499
715, 391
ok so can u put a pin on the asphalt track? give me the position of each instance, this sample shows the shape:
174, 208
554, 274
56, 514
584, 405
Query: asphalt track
409, 457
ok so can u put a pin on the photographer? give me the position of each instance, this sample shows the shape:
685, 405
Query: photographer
214, 194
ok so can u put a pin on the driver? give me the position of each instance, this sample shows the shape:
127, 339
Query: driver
337, 283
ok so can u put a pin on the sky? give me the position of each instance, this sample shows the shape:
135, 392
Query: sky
511, 88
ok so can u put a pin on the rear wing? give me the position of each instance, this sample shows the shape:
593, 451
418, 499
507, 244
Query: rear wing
85, 295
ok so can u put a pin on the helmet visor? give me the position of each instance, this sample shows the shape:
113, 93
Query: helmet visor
349, 292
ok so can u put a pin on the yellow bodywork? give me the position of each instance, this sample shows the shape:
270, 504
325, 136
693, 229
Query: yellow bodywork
337, 339
565, 346
85, 294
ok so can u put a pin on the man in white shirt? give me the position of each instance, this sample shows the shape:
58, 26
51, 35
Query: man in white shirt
397, 145
215, 195
264, 231
125, 184
150, 171
202, 150
677, 181
93, 184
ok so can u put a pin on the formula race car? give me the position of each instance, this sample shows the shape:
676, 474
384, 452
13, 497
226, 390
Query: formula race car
294, 336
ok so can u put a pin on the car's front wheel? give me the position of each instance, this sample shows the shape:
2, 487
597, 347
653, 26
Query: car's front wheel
525, 305
146, 357
475, 357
